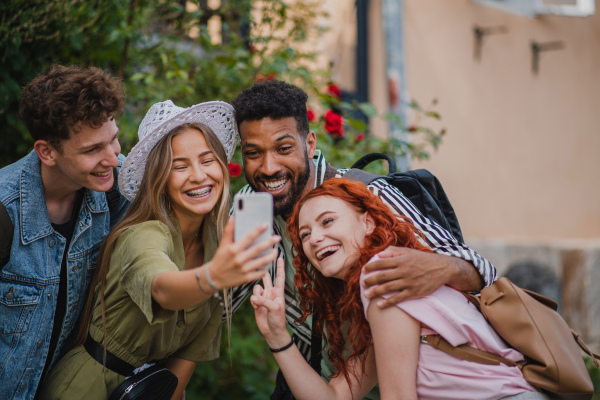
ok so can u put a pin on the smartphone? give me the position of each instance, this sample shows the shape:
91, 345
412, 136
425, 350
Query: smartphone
250, 210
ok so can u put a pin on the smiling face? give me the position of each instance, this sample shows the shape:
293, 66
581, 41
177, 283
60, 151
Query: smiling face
277, 160
88, 157
332, 231
195, 183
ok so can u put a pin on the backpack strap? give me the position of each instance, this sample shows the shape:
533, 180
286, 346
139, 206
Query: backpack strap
316, 345
595, 357
359, 175
367, 159
113, 196
6, 235
466, 352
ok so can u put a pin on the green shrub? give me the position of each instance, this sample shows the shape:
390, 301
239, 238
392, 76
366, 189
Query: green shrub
595, 375
148, 44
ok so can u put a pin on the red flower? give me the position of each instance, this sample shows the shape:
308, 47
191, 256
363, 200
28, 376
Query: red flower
261, 78
394, 92
235, 169
251, 48
412, 128
310, 114
334, 124
360, 137
334, 91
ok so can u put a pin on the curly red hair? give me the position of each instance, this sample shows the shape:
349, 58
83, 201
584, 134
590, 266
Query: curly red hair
338, 303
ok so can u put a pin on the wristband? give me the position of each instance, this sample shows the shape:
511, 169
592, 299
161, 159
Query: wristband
211, 283
199, 282
287, 346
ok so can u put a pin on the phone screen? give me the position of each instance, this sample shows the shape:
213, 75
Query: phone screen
251, 210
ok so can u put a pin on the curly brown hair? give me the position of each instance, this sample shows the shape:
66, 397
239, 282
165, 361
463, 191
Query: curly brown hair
63, 99
341, 319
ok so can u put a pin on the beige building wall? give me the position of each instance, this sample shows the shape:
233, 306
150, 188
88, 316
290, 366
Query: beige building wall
520, 160
521, 154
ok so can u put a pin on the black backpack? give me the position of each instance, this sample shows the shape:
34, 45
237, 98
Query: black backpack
6, 226
425, 191
420, 186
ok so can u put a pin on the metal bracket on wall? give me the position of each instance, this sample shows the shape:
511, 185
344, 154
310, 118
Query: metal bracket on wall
537, 48
480, 33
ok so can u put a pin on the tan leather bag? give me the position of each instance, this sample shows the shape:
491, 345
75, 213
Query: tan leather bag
529, 323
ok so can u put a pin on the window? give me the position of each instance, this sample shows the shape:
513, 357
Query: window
531, 8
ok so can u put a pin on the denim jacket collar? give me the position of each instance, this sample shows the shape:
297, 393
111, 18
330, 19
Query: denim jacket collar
35, 222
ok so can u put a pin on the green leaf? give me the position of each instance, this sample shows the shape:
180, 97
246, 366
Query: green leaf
433, 114
368, 109
357, 124
391, 117
415, 105
228, 61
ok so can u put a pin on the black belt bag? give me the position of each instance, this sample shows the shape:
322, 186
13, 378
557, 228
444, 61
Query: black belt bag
153, 383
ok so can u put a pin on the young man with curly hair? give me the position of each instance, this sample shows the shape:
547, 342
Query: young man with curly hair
280, 157
56, 202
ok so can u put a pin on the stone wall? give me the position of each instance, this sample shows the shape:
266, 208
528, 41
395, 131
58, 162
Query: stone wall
576, 265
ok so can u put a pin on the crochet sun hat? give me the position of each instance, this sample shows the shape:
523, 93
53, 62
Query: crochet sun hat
161, 119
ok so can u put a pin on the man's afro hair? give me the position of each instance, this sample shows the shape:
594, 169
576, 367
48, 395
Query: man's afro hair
273, 99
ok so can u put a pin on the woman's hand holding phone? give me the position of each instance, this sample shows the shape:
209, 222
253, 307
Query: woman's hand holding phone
251, 210
238, 262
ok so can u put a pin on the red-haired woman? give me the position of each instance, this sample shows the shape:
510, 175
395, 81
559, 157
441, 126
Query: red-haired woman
337, 228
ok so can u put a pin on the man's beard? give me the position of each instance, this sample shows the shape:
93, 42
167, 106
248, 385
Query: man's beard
284, 204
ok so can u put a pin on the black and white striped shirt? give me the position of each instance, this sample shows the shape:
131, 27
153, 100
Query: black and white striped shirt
440, 240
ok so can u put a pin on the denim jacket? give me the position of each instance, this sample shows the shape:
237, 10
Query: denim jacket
29, 282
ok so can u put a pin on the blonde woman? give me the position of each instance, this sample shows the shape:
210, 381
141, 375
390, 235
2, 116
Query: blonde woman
162, 271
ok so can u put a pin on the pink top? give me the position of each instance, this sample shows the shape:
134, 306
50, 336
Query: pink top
440, 375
